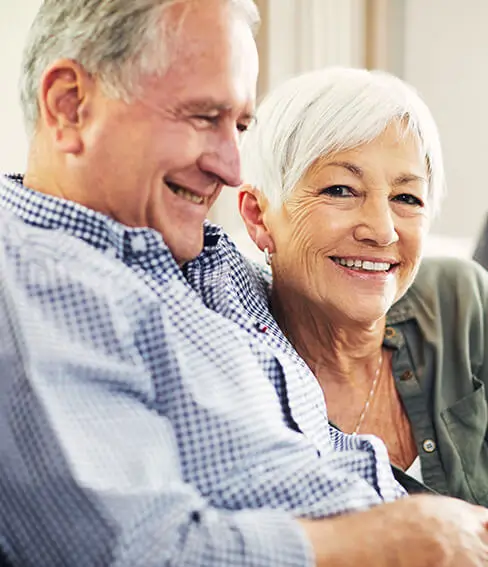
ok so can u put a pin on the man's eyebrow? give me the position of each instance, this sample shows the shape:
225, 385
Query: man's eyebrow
204, 105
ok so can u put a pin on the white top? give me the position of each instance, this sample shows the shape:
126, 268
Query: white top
414, 470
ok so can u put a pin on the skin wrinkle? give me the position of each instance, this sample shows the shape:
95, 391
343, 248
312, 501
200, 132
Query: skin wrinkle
301, 208
370, 202
421, 531
401, 179
98, 166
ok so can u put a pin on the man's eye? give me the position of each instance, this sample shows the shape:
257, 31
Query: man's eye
207, 119
408, 199
242, 127
337, 191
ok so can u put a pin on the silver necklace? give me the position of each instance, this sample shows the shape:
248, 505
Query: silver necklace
370, 397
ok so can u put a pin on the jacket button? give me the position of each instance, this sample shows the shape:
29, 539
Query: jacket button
429, 445
407, 375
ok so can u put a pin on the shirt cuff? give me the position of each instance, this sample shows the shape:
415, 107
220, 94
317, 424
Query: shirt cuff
273, 538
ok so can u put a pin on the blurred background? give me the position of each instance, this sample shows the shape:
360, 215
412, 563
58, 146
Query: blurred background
438, 46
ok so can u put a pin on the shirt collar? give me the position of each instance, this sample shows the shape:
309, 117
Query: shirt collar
96, 229
212, 237
401, 311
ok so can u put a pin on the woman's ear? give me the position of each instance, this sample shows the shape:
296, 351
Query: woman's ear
252, 206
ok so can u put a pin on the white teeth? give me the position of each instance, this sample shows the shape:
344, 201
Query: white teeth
188, 196
363, 265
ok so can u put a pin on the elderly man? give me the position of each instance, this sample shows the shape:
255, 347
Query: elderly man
138, 427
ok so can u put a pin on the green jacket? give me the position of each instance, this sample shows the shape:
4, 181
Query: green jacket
439, 333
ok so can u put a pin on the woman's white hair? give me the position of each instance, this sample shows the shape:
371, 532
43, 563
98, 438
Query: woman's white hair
330, 110
116, 40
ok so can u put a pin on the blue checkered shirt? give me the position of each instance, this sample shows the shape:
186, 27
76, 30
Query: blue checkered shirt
151, 416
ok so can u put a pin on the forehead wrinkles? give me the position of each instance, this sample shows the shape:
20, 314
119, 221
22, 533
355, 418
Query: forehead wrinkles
210, 46
200, 29
398, 164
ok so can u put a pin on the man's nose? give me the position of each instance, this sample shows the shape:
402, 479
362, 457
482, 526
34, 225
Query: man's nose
223, 160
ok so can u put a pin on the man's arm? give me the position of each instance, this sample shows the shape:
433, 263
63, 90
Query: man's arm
89, 470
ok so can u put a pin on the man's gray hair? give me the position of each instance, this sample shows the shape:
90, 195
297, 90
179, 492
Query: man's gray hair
116, 40
326, 111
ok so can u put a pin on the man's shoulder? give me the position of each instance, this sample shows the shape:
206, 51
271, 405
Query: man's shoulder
239, 261
226, 280
247, 275
52, 255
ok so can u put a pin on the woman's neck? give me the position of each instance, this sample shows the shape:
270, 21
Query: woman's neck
328, 342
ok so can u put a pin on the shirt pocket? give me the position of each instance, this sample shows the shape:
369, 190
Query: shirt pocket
467, 422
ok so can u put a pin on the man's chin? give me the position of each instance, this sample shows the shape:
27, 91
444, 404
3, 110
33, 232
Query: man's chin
184, 253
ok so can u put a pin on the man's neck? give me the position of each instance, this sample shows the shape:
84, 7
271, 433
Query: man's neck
43, 172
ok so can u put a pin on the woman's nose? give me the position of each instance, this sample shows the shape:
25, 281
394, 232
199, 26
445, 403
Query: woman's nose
376, 224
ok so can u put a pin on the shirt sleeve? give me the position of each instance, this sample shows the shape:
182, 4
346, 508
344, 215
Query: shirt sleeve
89, 470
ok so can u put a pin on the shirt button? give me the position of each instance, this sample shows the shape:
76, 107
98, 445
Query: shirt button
390, 332
138, 244
429, 445
407, 375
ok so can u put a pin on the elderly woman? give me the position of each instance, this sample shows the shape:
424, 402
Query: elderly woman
344, 174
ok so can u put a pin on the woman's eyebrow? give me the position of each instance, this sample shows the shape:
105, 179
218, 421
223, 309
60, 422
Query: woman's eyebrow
351, 167
406, 178
401, 179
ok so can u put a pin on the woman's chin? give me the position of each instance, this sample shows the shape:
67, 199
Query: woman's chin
364, 311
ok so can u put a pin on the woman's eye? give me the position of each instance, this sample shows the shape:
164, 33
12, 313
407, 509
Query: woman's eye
337, 191
409, 199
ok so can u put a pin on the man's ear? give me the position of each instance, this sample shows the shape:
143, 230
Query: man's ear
64, 96
252, 206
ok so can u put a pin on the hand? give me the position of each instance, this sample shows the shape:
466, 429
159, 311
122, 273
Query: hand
417, 531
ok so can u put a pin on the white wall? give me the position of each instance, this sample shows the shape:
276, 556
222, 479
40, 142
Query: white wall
445, 55
305, 35
446, 58
15, 19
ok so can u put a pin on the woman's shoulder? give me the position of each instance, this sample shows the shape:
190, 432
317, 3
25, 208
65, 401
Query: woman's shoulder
446, 276
448, 293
